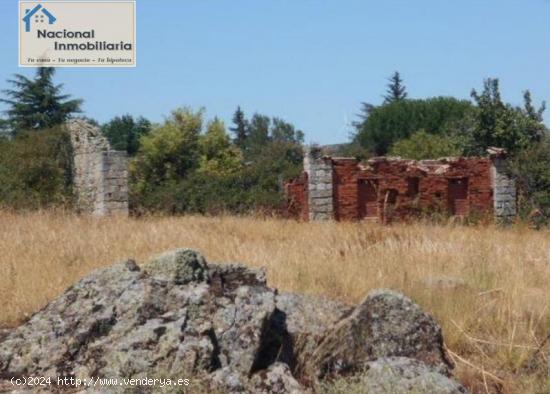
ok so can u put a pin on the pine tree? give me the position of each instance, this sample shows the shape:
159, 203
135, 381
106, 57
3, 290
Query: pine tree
37, 103
240, 129
396, 91
258, 135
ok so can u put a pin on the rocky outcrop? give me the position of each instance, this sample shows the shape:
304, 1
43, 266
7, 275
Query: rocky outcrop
385, 324
304, 320
178, 316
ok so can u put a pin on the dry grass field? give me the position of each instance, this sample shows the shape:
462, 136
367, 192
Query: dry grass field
492, 321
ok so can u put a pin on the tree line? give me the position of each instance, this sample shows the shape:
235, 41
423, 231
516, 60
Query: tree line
192, 164
185, 164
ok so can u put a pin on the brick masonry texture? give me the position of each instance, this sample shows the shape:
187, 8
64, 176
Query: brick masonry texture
387, 189
100, 174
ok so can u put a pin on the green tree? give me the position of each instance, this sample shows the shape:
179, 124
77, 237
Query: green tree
182, 168
258, 134
385, 125
395, 91
421, 145
284, 131
124, 132
169, 152
239, 129
36, 104
218, 155
502, 125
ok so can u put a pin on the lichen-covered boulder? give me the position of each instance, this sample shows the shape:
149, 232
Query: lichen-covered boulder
401, 375
176, 316
181, 266
385, 324
304, 319
277, 379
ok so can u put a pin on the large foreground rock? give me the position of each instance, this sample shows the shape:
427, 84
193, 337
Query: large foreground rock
385, 324
178, 316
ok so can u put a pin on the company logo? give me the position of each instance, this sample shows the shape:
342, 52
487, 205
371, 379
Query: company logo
38, 14
77, 33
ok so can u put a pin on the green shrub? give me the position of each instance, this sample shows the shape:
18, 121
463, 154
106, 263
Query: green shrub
422, 145
531, 167
36, 170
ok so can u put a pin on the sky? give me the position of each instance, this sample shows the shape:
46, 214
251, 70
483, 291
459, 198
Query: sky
310, 62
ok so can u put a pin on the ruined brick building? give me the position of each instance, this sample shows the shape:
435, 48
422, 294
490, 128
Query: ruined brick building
386, 189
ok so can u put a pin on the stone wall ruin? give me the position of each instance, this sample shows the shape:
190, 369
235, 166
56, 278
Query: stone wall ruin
100, 174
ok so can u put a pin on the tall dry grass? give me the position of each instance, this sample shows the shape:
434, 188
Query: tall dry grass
492, 323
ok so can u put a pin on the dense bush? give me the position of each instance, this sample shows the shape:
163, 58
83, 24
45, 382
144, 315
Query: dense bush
531, 167
239, 193
422, 145
184, 167
36, 170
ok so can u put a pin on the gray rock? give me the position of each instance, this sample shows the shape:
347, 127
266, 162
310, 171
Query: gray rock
228, 381
181, 266
277, 379
400, 375
385, 324
226, 278
179, 316
305, 319
165, 320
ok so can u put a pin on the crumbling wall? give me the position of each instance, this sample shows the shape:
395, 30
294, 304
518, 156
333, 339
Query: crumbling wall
100, 174
405, 188
346, 204
320, 193
504, 187
386, 189
296, 192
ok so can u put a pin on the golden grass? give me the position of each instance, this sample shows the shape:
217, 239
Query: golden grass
492, 324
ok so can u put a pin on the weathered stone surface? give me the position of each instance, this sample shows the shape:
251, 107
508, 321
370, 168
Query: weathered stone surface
164, 320
400, 375
100, 173
386, 324
181, 266
306, 319
179, 316
277, 379
319, 175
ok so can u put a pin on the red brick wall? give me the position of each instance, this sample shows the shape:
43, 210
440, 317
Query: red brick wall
296, 198
440, 186
345, 189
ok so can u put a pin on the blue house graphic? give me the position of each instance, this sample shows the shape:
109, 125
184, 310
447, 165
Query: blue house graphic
38, 17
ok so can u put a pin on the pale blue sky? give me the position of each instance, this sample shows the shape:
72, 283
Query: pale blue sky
310, 62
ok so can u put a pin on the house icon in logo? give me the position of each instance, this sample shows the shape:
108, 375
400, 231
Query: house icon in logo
37, 16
